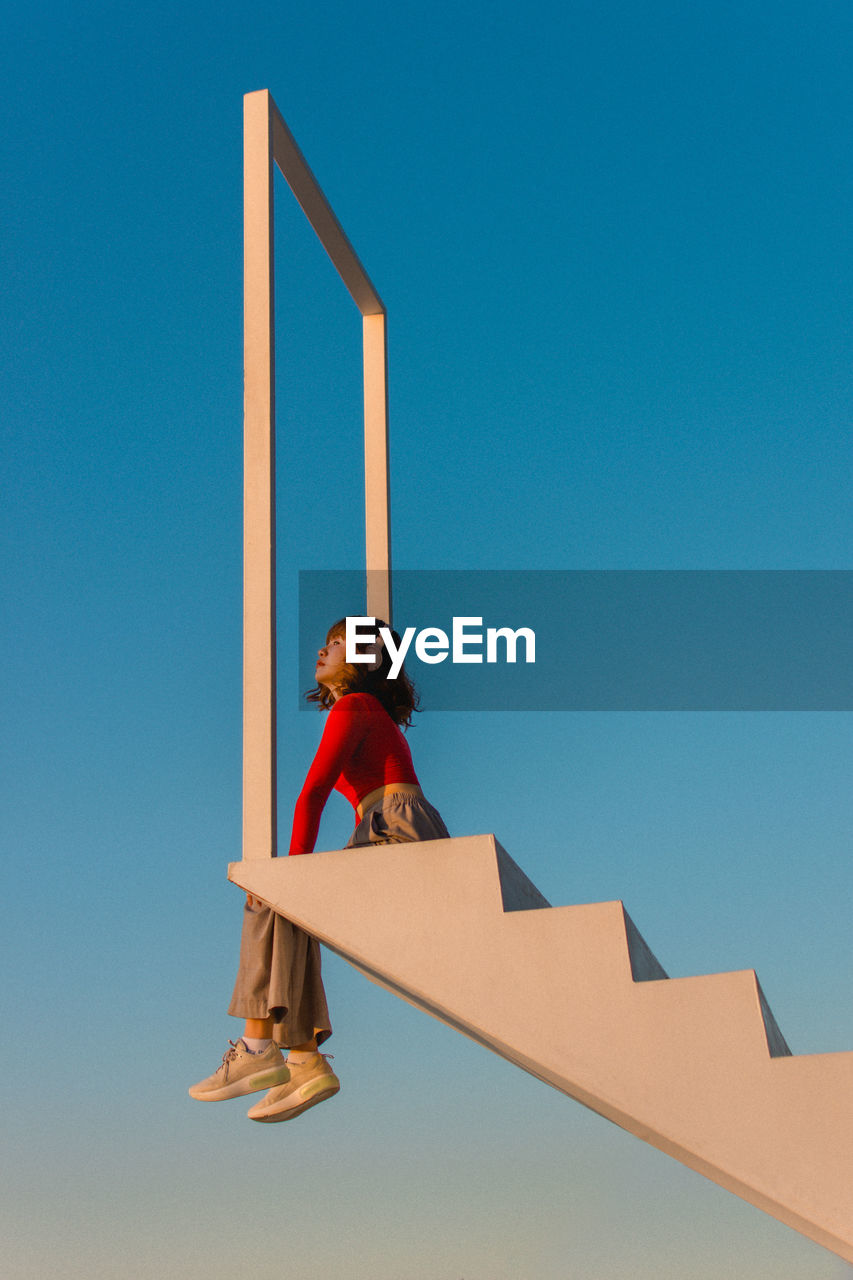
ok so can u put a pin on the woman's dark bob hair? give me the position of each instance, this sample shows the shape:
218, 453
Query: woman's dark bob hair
399, 696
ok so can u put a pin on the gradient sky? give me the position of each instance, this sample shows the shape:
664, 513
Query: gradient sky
614, 245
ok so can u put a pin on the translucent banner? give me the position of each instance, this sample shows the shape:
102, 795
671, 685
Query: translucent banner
610, 640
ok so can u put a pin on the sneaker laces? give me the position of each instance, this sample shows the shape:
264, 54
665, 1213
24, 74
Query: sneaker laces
230, 1054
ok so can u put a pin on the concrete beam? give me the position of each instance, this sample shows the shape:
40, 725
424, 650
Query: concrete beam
267, 141
695, 1066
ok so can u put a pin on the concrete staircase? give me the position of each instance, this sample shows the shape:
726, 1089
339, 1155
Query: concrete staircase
695, 1066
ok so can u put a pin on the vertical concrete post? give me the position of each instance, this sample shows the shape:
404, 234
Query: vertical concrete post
259, 691
376, 478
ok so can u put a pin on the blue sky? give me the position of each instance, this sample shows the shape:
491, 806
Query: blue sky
613, 241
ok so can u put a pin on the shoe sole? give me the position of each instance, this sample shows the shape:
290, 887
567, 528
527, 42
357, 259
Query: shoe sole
249, 1084
310, 1094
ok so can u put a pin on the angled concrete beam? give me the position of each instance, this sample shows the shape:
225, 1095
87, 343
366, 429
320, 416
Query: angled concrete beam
305, 187
695, 1066
319, 212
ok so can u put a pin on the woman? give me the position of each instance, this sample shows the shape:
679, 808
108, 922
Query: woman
279, 990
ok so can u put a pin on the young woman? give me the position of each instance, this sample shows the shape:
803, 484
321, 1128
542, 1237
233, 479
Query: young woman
279, 990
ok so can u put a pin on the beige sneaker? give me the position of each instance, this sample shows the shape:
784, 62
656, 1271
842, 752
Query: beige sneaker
241, 1072
309, 1084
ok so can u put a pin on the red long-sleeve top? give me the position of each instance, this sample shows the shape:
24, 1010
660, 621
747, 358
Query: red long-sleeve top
361, 749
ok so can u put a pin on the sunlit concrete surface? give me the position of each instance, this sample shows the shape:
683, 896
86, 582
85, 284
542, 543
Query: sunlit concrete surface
695, 1066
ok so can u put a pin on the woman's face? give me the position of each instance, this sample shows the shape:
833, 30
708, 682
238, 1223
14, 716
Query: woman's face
331, 660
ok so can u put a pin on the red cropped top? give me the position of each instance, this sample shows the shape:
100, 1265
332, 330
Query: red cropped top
361, 749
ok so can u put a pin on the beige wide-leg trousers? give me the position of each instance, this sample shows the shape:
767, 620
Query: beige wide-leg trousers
279, 973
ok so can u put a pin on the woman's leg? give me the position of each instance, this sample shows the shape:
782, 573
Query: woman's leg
262, 1029
279, 987
279, 992
280, 969
259, 1028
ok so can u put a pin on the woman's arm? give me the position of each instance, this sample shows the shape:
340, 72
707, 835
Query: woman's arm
342, 734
